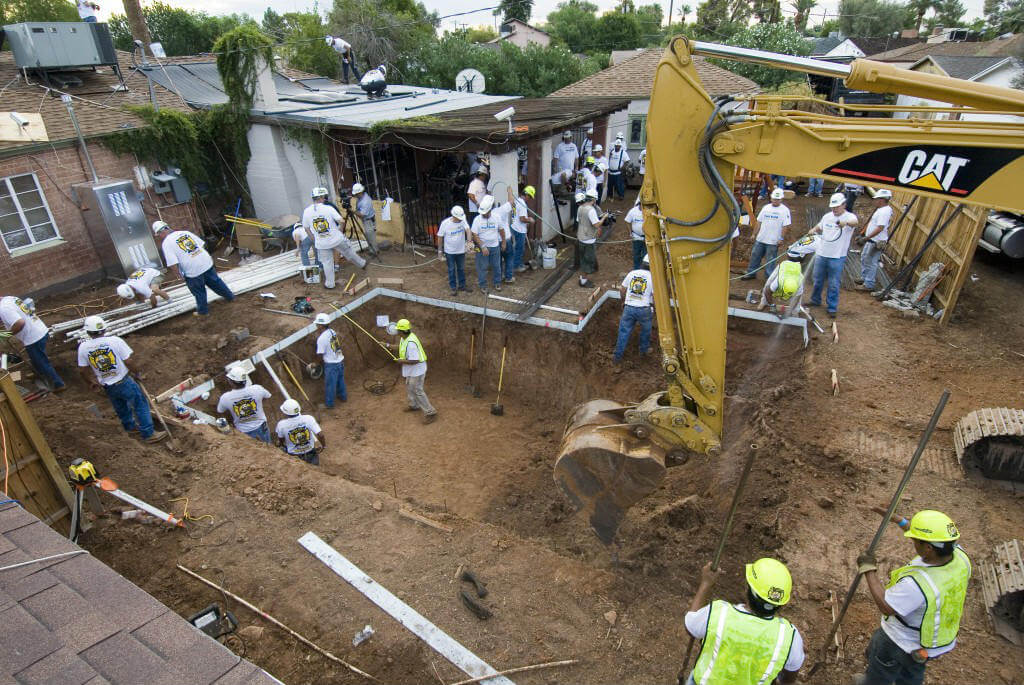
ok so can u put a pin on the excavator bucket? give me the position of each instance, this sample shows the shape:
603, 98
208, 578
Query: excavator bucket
604, 468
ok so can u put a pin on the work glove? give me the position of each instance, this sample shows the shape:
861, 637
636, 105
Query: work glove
860, 240
866, 562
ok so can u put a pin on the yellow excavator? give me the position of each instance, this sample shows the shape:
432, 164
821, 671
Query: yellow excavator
612, 455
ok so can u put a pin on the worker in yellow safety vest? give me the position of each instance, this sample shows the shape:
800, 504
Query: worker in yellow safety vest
413, 359
746, 643
921, 605
786, 283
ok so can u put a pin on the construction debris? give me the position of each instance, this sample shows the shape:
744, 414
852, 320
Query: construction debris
405, 513
361, 285
835, 383
918, 300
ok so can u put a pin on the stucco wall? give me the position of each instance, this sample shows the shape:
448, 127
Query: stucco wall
281, 173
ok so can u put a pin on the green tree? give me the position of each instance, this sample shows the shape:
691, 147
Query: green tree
767, 11
180, 31
948, 13
479, 34
826, 27
720, 19
873, 17
650, 17
1004, 16
273, 24
384, 31
780, 37
919, 8
619, 31
515, 9
303, 46
17, 11
803, 12
574, 24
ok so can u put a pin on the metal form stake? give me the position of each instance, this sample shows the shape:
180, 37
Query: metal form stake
66, 99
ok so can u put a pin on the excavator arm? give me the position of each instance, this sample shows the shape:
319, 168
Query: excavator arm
613, 455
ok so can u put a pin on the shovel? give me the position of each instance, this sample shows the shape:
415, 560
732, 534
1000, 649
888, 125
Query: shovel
175, 447
483, 330
472, 360
498, 409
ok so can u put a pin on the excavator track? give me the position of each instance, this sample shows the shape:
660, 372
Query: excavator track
1002, 585
992, 441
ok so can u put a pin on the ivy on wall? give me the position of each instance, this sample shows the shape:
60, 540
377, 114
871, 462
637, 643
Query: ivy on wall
313, 138
239, 52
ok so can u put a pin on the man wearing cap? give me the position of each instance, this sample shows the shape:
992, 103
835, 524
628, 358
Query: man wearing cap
635, 220
476, 192
566, 153
452, 236
489, 237
19, 317
921, 605
413, 359
323, 222
587, 149
586, 180
245, 405
637, 292
617, 159
746, 643
836, 229
186, 254
348, 58
504, 213
143, 284
304, 243
364, 208
588, 228
600, 169
786, 283
328, 346
107, 356
298, 433
771, 224
521, 222
876, 235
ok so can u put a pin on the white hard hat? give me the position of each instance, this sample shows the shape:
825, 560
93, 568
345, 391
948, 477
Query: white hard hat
319, 191
836, 200
619, 136
124, 290
95, 324
580, 197
159, 226
322, 319
778, 194
647, 259
236, 373
383, 69
486, 204
329, 40
567, 134
592, 193
458, 212
357, 188
598, 147
290, 408
883, 193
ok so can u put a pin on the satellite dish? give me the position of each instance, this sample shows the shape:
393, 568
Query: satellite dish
469, 81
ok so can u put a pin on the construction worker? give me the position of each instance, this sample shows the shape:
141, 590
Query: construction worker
413, 359
637, 291
348, 58
852, 192
489, 237
328, 346
874, 240
815, 186
245, 405
323, 222
635, 220
476, 192
771, 224
186, 254
836, 229
375, 81
600, 169
107, 356
19, 317
586, 180
617, 160
589, 224
304, 243
504, 214
521, 222
298, 433
587, 148
87, 10
566, 153
746, 643
364, 208
452, 236
785, 283
143, 284
921, 605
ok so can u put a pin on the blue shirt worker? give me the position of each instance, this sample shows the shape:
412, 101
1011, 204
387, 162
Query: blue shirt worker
366, 212
245, 405
185, 253
452, 236
328, 346
107, 357
413, 359
637, 289
19, 317
921, 605
298, 434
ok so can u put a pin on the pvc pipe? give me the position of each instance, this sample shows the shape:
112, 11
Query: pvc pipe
502, 298
149, 509
273, 375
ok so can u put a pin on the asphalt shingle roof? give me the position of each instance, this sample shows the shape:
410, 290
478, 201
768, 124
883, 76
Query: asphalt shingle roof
965, 67
999, 47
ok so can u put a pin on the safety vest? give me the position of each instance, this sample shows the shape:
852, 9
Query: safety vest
405, 343
790, 276
944, 589
742, 649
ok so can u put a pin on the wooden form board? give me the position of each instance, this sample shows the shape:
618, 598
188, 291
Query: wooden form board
954, 248
34, 478
34, 131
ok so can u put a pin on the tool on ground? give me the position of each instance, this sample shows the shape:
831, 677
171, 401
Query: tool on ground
83, 476
382, 345
292, 376
520, 669
478, 609
231, 248
810, 317
282, 311
302, 305
922, 443
472, 360
175, 447
483, 332
497, 408
314, 370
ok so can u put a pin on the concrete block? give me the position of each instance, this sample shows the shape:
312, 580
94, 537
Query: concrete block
239, 334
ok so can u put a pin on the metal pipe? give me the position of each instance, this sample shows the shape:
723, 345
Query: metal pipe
263, 358
66, 99
770, 59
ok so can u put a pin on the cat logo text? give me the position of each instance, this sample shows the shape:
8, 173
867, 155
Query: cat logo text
936, 171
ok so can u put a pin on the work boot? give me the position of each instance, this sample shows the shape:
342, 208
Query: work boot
520, 269
430, 418
497, 288
60, 388
466, 289
510, 279
858, 281
156, 437
411, 409
586, 283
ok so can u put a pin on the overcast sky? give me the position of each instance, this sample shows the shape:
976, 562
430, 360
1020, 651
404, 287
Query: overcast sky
443, 7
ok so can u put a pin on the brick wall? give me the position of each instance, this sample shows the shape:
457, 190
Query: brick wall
73, 263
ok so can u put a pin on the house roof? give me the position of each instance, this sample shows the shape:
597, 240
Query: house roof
963, 67
514, 23
634, 78
75, 619
98, 106
619, 56
822, 46
999, 47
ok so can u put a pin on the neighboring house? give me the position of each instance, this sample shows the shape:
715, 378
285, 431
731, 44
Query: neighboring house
993, 71
521, 34
837, 47
907, 56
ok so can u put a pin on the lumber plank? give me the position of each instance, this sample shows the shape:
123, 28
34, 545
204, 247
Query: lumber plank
402, 511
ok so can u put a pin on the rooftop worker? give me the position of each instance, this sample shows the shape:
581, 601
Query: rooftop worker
921, 605
637, 290
452, 236
245, 405
364, 208
413, 359
746, 643
19, 317
521, 222
374, 81
298, 433
785, 283
875, 238
304, 243
617, 159
635, 219
489, 237
328, 346
566, 153
836, 230
143, 284
348, 58
587, 148
771, 223
87, 10
186, 254
476, 192
600, 170
589, 227
323, 222
107, 356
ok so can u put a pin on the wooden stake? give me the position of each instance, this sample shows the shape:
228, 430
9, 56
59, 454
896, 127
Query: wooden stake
834, 606
835, 383
521, 669
424, 520
835, 332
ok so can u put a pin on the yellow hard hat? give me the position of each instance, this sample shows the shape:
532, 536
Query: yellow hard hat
403, 325
932, 526
770, 580
530, 190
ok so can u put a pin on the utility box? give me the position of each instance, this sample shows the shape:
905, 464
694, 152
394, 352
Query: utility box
171, 181
55, 45
117, 226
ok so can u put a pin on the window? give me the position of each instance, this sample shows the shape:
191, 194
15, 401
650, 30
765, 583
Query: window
637, 131
25, 218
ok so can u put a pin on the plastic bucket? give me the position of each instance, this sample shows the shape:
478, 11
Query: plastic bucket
549, 258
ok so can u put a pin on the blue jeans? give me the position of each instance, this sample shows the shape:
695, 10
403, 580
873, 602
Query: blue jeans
41, 363
90, 20
616, 184
508, 268
869, 258
334, 383
128, 399
632, 317
780, 182
888, 664
815, 186
197, 286
304, 248
639, 251
769, 253
493, 262
518, 247
456, 270
832, 269
262, 433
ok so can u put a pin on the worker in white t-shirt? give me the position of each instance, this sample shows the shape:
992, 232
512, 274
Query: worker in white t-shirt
19, 317
245, 405
600, 169
298, 433
185, 253
635, 220
304, 243
348, 58
488, 234
566, 153
505, 214
143, 284
637, 291
476, 192
836, 230
452, 236
328, 347
323, 222
106, 356
771, 224
876, 235
413, 359
87, 10
589, 223
520, 224
618, 157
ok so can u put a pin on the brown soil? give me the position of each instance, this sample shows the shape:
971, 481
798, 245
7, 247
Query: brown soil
822, 462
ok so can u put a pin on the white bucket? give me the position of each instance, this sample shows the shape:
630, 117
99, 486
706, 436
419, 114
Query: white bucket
549, 257
311, 274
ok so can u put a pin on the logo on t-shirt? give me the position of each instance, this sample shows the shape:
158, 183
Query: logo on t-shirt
22, 306
245, 408
335, 345
637, 286
186, 244
321, 225
102, 359
137, 275
301, 437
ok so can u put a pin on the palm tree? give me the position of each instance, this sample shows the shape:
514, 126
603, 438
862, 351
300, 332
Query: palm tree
920, 8
803, 11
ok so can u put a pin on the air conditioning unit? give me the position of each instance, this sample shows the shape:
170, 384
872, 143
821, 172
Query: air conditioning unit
55, 45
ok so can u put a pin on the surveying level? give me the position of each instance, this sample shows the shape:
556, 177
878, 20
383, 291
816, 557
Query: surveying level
82, 472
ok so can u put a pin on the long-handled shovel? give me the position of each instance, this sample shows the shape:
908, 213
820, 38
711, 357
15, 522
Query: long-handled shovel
472, 360
175, 447
498, 409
